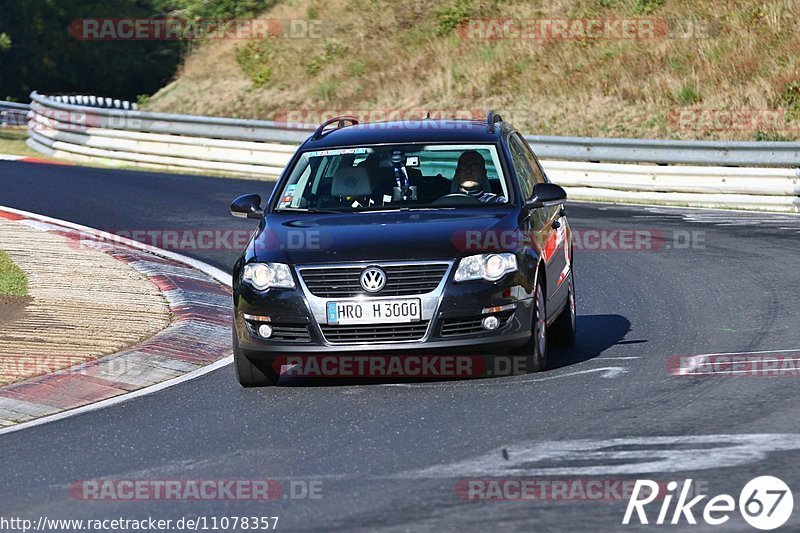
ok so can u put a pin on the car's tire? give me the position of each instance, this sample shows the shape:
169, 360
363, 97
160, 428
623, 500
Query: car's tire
565, 328
252, 373
535, 350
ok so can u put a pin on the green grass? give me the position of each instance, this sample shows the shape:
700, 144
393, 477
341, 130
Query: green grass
688, 95
12, 141
12, 280
739, 58
769, 136
791, 98
450, 17
646, 7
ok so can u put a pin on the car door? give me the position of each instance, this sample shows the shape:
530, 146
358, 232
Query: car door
543, 223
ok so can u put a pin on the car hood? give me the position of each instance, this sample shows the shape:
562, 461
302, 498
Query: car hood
307, 238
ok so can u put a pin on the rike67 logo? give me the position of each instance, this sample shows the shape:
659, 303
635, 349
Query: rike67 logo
765, 503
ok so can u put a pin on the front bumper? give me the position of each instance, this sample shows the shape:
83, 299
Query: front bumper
451, 316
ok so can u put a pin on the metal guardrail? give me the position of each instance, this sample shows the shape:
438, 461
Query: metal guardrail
122, 115
772, 189
92, 130
13, 114
14, 105
727, 153
191, 125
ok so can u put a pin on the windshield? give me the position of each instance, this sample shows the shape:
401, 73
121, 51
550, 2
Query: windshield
395, 177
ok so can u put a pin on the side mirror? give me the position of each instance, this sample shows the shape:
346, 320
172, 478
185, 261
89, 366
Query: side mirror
546, 194
247, 206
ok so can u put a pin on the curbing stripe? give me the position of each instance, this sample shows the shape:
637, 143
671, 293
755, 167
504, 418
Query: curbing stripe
29, 159
207, 269
119, 399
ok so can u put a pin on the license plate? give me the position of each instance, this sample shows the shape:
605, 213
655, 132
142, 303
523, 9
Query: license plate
374, 311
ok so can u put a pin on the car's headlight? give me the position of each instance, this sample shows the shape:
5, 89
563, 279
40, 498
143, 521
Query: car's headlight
490, 267
263, 276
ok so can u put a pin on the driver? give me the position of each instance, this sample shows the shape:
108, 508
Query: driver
471, 176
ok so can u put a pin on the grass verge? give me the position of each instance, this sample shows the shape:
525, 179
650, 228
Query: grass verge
13, 281
12, 141
713, 70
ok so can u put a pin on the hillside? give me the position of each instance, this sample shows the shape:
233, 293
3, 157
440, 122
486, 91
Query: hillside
700, 69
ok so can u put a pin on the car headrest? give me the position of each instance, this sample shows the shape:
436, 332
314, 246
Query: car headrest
352, 181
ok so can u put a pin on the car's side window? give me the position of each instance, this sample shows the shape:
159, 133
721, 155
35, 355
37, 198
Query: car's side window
522, 166
538, 173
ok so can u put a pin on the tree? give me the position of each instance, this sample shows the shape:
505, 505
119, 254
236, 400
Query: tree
41, 54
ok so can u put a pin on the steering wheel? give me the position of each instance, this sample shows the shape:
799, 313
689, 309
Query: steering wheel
456, 198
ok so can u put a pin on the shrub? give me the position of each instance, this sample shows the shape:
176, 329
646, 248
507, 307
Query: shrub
450, 18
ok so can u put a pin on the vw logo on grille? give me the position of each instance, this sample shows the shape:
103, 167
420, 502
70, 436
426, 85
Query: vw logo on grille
373, 279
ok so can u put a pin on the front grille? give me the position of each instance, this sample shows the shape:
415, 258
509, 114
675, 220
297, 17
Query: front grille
374, 332
401, 280
471, 325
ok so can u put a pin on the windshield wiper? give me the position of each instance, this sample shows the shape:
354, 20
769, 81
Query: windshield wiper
401, 208
309, 210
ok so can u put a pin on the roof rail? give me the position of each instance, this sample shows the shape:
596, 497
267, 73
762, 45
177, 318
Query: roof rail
491, 119
341, 124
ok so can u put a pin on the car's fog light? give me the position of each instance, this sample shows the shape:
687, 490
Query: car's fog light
490, 323
265, 331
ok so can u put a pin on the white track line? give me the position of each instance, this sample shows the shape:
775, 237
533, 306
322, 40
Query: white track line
492, 381
745, 353
214, 272
621, 206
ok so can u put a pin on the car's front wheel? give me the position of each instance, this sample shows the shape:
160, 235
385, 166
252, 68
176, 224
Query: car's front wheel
535, 351
252, 373
564, 329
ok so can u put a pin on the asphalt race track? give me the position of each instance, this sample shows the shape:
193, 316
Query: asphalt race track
389, 455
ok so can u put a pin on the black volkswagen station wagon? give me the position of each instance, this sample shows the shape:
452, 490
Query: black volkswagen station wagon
404, 237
